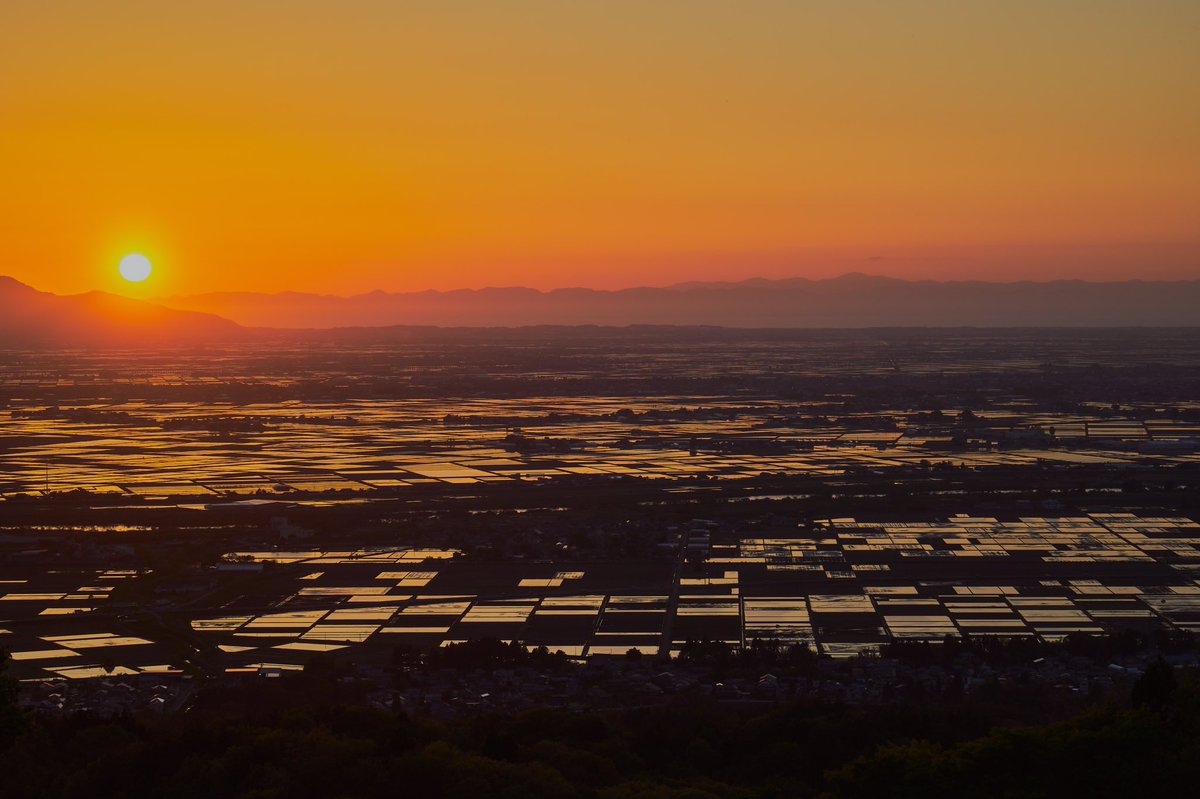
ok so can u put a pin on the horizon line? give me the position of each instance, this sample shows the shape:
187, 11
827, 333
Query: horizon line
685, 284
681, 285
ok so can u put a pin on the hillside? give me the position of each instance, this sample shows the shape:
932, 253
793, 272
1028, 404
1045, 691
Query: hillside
29, 317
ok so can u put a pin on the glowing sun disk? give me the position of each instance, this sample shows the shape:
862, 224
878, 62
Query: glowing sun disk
135, 268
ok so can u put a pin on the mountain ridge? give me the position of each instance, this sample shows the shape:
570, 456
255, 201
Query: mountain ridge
29, 317
856, 300
851, 300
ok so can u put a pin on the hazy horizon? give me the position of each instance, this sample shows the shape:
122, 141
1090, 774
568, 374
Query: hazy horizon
863, 275
854, 300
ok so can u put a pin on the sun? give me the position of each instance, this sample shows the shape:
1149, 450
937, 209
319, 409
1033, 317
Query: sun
134, 267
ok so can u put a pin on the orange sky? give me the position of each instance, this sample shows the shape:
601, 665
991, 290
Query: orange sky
342, 147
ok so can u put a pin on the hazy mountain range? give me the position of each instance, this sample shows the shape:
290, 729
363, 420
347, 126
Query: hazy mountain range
31, 317
853, 300
36, 318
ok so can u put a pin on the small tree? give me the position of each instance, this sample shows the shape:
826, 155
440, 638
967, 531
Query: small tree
1156, 688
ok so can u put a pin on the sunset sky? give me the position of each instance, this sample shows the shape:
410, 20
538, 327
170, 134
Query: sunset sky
343, 147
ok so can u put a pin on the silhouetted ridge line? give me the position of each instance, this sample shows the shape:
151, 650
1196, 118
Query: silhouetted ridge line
29, 317
853, 300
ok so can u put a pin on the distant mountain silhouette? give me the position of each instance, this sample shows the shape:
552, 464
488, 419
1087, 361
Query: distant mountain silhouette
29, 317
853, 300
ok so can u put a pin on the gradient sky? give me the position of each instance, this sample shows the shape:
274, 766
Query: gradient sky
346, 146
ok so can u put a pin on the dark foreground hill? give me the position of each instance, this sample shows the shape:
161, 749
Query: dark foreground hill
29, 317
845, 302
940, 749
